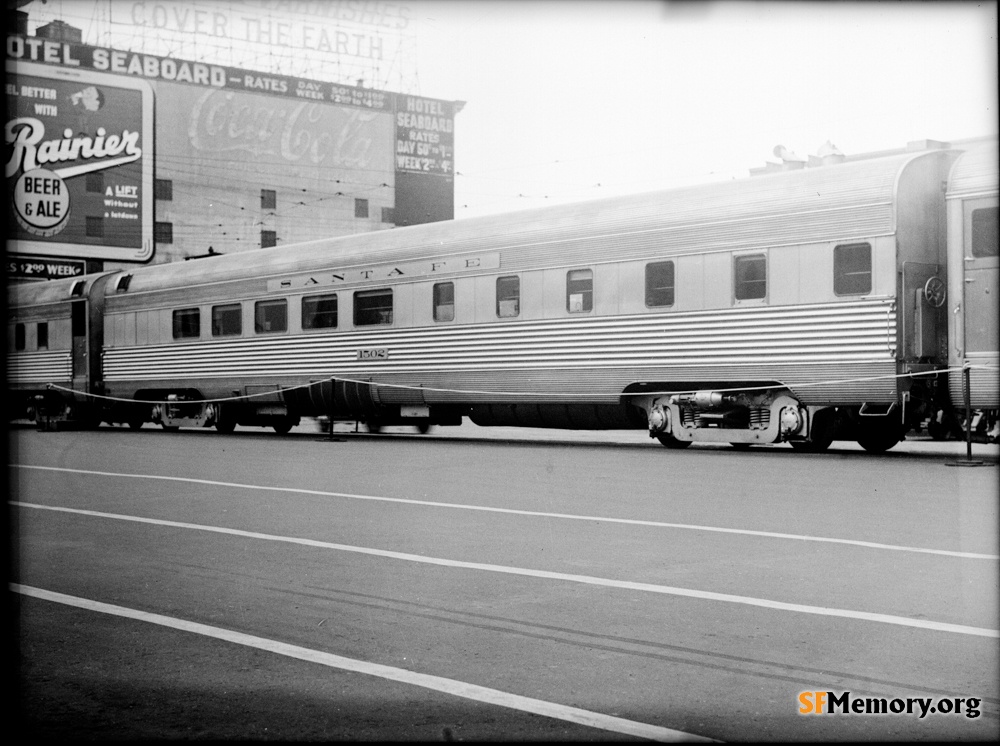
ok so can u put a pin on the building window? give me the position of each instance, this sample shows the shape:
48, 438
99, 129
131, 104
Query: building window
579, 290
18, 337
750, 277
43, 335
984, 232
319, 312
163, 232
270, 316
268, 199
388, 215
95, 227
508, 296
444, 301
187, 323
95, 181
163, 189
659, 284
227, 320
372, 307
360, 208
852, 269
268, 239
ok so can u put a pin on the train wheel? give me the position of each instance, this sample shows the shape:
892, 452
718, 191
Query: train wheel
938, 430
880, 439
821, 435
374, 426
283, 428
171, 428
741, 446
810, 446
225, 426
424, 428
671, 442
135, 424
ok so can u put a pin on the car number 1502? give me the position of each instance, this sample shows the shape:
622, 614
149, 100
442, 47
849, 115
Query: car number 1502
380, 353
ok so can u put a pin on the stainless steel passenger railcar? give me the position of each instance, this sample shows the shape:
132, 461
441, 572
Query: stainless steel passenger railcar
801, 306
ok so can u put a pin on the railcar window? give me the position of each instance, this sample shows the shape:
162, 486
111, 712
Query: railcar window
187, 323
227, 320
372, 307
984, 231
270, 316
19, 337
319, 312
750, 277
508, 297
659, 284
579, 290
43, 335
444, 301
852, 269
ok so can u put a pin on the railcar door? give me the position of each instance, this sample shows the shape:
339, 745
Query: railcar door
982, 267
81, 360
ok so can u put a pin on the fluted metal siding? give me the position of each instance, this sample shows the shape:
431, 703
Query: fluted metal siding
38, 368
840, 202
660, 347
977, 171
984, 384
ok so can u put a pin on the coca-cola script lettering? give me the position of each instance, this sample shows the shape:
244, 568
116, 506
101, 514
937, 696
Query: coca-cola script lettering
294, 131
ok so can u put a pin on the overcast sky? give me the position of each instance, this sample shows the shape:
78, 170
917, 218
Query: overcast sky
574, 100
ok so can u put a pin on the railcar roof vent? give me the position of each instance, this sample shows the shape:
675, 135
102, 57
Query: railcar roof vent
123, 283
789, 160
827, 154
77, 290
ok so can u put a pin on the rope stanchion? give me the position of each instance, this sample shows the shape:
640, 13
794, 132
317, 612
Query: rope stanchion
576, 395
967, 396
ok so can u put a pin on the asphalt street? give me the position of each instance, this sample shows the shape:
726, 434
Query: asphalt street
473, 585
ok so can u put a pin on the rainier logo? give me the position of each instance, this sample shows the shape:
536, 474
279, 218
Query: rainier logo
40, 194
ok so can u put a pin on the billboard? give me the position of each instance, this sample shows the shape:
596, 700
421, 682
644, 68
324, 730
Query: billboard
79, 163
332, 158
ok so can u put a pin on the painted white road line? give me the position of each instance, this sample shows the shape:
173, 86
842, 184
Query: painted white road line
532, 513
545, 574
402, 675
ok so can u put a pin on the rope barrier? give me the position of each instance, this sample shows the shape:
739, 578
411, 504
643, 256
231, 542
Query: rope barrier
375, 384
